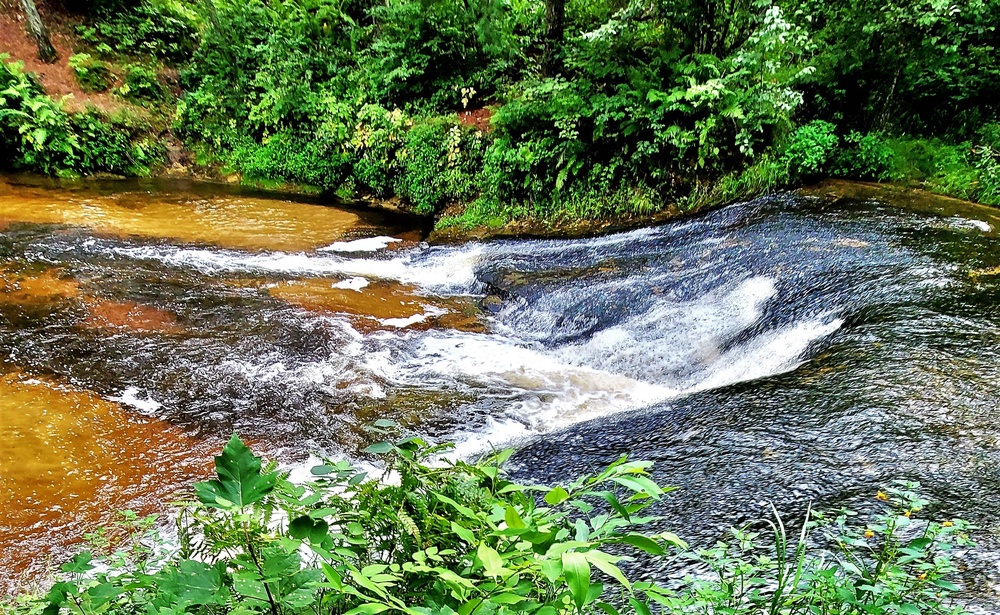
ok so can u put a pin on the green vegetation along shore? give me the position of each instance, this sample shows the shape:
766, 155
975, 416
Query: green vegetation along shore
486, 113
460, 539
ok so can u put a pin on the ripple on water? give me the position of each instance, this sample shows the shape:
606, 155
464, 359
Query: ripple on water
238, 221
70, 460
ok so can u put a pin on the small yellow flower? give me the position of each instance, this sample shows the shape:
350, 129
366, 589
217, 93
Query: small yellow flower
947, 524
922, 576
881, 496
869, 533
907, 514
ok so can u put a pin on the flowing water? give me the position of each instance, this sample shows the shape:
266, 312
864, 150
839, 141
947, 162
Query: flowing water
791, 349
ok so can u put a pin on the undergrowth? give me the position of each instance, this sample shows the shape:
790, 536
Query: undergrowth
436, 537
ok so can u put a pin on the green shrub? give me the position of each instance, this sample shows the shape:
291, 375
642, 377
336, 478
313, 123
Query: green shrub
377, 140
37, 134
864, 157
438, 165
312, 160
986, 161
461, 538
767, 174
160, 28
141, 84
811, 149
93, 75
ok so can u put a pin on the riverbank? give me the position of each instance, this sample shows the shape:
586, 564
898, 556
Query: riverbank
492, 128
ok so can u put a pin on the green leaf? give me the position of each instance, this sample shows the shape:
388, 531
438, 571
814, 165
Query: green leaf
642, 542
612, 500
577, 573
513, 519
464, 510
239, 482
640, 484
315, 530
193, 583
909, 609
606, 564
607, 608
552, 569
79, 564
370, 608
556, 496
491, 560
641, 608
380, 448
463, 533
946, 585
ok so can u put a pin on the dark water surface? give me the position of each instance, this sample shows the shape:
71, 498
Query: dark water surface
791, 349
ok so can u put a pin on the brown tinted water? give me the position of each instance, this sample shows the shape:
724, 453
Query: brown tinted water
225, 219
71, 456
69, 460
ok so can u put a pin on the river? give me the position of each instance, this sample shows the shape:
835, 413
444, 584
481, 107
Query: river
792, 349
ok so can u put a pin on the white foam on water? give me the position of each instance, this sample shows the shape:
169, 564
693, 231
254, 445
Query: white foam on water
370, 244
442, 270
402, 323
670, 350
970, 224
674, 337
130, 397
355, 283
769, 354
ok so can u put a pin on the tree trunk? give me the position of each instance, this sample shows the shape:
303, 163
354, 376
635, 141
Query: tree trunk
555, 18
46, 52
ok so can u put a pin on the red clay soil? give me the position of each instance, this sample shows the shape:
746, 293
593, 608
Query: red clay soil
479, 118
57, 78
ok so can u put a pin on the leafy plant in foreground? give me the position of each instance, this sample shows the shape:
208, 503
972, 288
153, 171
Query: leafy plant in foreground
436, 537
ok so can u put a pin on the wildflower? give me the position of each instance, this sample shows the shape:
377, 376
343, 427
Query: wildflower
947, 524
922, 576
869, 533
881, 496
907, 514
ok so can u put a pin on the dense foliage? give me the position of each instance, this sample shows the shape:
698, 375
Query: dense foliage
433, 537
644, 103
36, 133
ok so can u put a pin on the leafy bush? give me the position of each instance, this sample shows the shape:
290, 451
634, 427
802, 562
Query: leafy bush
37, 134
376, 142
438, 165
141, 84
316, 161
811, 149
161, 28
864, 157
461, 538
92, 75
961, 170
424, 53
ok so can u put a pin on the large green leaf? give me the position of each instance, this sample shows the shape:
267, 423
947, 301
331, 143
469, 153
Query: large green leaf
577, 572
191, 583
491, 560
240, 480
